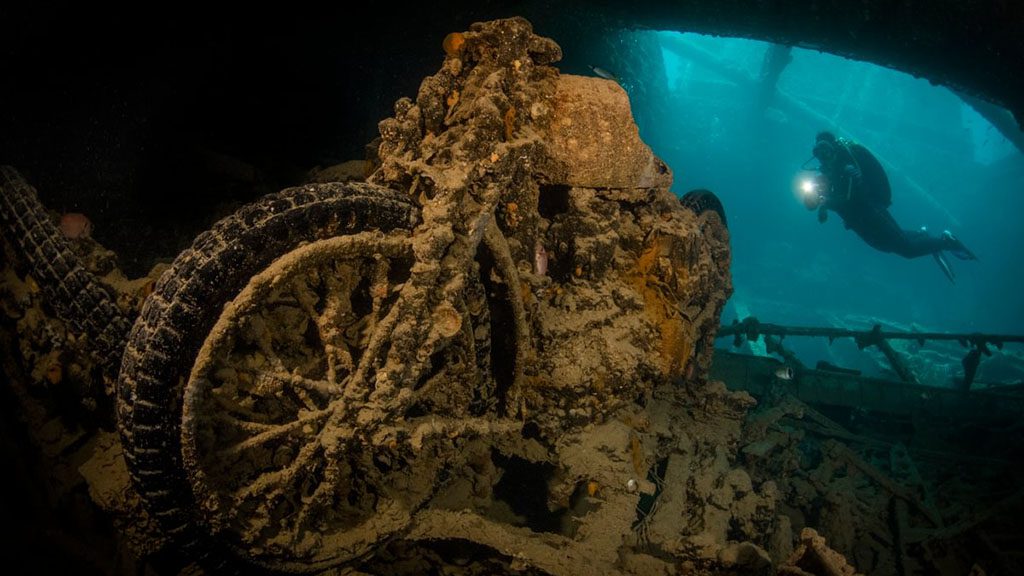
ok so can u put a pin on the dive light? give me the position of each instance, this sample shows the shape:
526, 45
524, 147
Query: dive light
812, 188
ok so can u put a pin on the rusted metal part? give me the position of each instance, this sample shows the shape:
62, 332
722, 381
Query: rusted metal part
774, 345
902, 517
755, 374
840, 451
814, 556
896, 361
903, 468
825, 426
999, 509
750, 328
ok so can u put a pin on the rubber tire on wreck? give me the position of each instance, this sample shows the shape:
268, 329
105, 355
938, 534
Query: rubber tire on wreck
183, 308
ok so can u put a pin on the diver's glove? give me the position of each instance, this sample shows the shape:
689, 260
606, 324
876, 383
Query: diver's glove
853, 172
822, 215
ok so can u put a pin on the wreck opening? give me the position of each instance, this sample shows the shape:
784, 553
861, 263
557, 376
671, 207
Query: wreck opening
501, 345
523, 491
739, 117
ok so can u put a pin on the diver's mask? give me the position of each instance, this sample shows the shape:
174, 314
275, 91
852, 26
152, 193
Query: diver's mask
824, 151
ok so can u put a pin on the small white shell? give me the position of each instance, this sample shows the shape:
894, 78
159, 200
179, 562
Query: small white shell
631, 485
540, 259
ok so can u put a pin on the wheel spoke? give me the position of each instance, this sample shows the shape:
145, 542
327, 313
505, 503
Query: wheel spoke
274, 433
321, 498
225, 401
243, 425
337, 314
277, 481
379, 289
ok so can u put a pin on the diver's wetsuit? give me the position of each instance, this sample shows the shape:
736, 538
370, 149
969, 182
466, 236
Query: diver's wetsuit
860, 194
879, 229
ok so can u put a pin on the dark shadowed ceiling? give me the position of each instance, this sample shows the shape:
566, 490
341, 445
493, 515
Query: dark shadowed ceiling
117, 113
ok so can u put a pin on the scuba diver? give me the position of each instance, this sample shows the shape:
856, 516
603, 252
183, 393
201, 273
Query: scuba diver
853, 184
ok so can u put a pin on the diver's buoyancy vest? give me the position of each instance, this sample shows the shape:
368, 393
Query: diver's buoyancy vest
874, 182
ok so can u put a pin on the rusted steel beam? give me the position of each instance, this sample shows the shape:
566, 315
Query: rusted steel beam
751, 328
756, 374
896, 361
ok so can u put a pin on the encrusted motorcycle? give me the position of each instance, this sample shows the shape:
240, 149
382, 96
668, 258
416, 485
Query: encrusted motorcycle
480, 343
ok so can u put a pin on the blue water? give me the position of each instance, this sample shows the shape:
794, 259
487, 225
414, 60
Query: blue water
949, 169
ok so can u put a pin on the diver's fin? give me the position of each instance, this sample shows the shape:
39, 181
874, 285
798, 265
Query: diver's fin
956, 247
940, 259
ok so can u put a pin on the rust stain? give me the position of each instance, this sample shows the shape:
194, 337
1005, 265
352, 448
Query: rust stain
510, 123
674, 345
